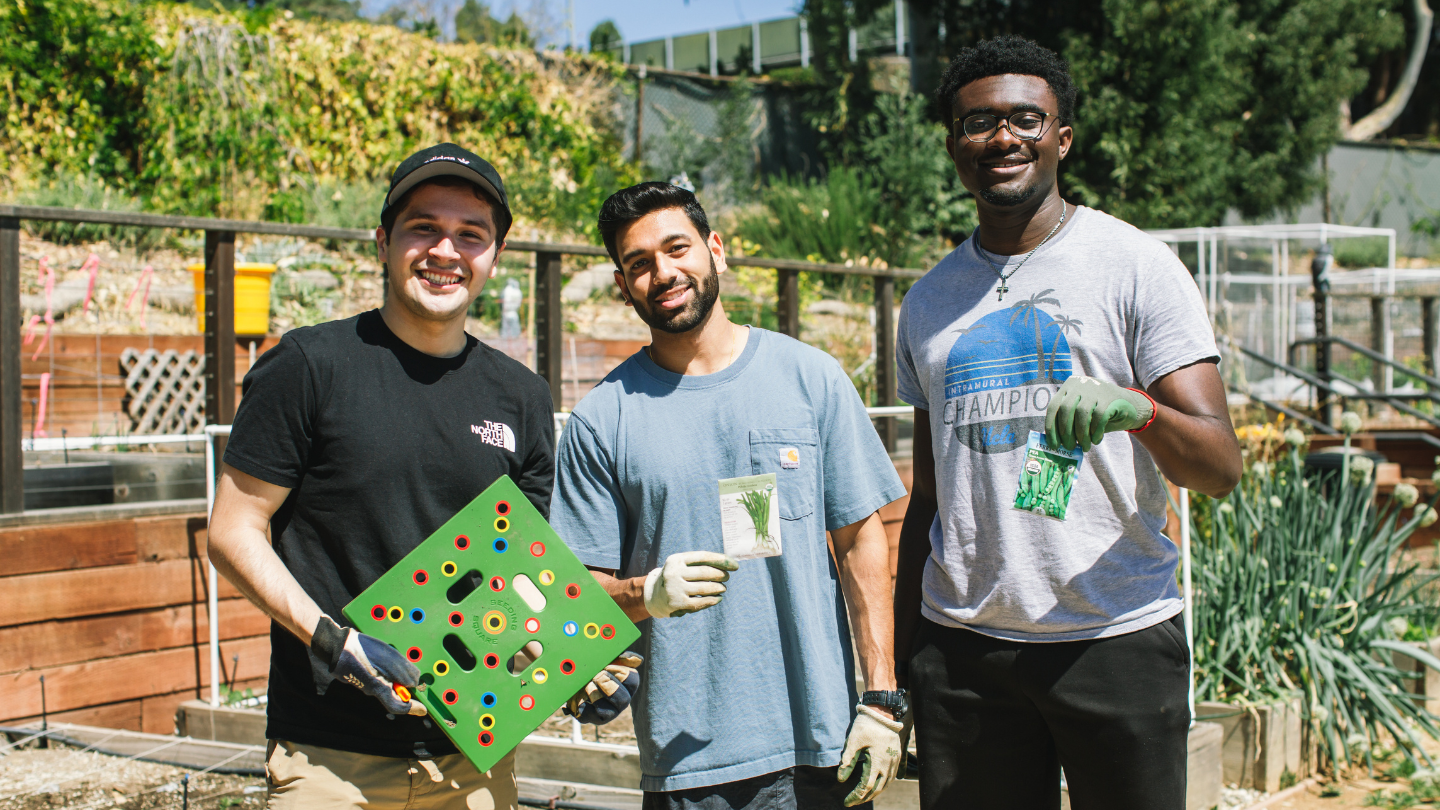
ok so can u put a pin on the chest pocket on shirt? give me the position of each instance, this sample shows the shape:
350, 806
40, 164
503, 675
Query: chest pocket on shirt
796, 474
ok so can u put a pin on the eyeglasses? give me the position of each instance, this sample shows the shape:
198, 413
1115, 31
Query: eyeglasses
1025, 125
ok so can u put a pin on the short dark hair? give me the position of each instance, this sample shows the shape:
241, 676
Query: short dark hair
630, 204
997, 57
498, 211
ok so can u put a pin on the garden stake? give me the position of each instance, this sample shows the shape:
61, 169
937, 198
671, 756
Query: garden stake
44, 716
185, 792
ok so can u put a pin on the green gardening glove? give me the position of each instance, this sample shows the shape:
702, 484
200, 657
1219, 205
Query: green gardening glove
1085, 409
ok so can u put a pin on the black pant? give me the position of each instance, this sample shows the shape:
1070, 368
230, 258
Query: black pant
800, 788
996, 720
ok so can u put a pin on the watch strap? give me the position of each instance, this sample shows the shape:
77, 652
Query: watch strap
890, 700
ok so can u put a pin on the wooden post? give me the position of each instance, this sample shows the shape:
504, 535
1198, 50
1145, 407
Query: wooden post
787, 284
219, 328
12, 459
1427, 327
1379, 328
549, 323
885, 357
640, 117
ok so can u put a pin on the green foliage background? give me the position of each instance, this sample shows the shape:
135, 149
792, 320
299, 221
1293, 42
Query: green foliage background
251, 114
1187, 108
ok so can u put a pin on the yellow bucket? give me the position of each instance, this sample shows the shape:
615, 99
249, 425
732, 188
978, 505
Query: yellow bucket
252, 297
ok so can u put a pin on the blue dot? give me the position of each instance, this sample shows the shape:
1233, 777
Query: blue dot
501, 545
417, 615
571, 628
488, 699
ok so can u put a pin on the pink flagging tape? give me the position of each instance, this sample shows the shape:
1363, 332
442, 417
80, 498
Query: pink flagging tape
44, 395
146, 276
92, 263
30, 329
48, 275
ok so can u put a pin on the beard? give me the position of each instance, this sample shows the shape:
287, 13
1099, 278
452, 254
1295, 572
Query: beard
1008, 197
688, 317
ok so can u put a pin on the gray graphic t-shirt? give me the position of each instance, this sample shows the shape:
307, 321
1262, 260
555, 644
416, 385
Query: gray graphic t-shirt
1100, 299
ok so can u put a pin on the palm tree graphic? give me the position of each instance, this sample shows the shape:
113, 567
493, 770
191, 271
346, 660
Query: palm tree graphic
1065, 325
1030, 310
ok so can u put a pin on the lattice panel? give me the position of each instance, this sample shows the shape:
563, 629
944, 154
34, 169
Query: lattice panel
164, 391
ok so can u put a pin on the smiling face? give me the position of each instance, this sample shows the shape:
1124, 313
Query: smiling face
1006, 171
667, 271
441, 251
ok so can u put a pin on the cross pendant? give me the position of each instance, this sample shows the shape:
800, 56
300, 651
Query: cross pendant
1002, 289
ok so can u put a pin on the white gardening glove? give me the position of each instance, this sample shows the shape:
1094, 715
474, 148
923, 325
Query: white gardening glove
687, 582
876, 736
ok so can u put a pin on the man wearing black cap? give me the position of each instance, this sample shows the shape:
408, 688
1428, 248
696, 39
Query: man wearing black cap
354, 441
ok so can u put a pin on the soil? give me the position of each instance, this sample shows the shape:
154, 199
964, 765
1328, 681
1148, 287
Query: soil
62, 776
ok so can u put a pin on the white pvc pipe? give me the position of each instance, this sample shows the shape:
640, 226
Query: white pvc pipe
1189, 592
212, 577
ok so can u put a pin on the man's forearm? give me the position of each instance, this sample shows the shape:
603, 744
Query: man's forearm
239, 548
862, 555
1199, 453
909, 577
629, 594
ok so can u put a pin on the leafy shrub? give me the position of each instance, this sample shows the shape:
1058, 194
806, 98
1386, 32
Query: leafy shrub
89, 192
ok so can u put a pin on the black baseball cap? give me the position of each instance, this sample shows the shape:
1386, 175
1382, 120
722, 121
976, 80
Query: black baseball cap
446, 159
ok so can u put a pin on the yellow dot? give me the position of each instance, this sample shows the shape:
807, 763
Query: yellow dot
448, 568
396, 613
441, 667
540, 675
487, 721
592, 630
502, 525
547, 577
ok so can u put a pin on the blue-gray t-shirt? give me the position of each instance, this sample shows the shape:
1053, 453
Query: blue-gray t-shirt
764, 680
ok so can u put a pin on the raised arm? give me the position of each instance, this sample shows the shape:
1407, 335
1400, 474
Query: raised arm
914, 544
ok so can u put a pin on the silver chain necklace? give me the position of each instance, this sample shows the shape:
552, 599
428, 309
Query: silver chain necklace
1004, 277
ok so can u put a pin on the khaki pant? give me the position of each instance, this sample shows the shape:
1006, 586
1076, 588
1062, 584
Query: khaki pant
308, 777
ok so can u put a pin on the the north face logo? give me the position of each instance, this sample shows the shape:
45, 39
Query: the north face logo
496, 433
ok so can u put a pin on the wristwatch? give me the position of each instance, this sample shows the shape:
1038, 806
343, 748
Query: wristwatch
898, 702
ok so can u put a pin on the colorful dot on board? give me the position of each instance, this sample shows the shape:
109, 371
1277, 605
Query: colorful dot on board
502, 508
396, 613
567, 667
526, 702
571, 628
378, 612
501, 545
414, 654
541, 676
441, 668
462, 542
492, 661
572, 590
486, 738
502, 525
547, 577
457, 618
417, 615
450, 696
607, 632
592, 630
448, 568
420, 577
487, 721
497, 584
532, 625
488, 699
537, 548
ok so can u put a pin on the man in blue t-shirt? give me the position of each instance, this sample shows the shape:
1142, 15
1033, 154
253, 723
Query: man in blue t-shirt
721, 437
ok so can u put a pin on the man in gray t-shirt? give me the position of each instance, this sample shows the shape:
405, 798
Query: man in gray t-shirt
1037, 615
748, 702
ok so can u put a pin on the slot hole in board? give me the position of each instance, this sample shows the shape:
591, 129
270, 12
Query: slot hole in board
527, 590
525, 656
458, 651
464, 586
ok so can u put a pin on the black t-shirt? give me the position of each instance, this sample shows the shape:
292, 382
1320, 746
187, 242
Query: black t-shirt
380, 444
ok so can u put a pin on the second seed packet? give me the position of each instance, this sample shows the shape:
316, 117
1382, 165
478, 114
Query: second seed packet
1047, 478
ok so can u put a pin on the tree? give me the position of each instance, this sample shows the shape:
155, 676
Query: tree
605, 38
474, 23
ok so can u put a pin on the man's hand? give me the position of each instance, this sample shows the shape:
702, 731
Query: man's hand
368, 664
1085, 409
608, 693
687, 582
876, 736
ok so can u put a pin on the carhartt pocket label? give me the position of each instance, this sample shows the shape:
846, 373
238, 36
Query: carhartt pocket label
789, 458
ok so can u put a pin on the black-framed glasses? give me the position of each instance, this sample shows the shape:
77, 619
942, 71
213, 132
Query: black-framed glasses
1026, 125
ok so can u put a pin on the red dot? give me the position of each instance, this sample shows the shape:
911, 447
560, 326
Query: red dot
421, 577
526, 702
486, 738
567, 666
497, 583
462, 542
537, 548
572, 590
492, 660
502, 508
607, 632
532, 625
414, 654
378, 612
457, 618
450, 696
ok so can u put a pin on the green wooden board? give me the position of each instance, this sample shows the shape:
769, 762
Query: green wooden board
457, 607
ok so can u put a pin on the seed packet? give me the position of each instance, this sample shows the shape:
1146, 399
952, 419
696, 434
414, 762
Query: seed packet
1047, 478
750, 516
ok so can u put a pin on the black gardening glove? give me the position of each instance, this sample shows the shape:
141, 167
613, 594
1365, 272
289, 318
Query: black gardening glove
608, 693
368, 664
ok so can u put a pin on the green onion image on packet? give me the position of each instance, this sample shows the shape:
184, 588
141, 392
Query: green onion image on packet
1047, 478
